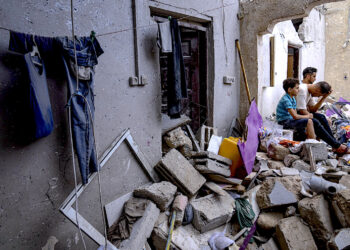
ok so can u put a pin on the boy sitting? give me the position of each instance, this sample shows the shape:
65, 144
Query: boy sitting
288, 117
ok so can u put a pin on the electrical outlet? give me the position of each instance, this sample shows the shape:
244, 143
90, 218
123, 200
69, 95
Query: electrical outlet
229, 80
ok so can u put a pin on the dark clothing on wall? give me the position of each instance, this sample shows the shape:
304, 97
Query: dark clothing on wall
39, 97
80, 99
177, 86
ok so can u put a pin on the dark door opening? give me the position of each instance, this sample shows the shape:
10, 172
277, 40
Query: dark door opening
293, 62
195, 60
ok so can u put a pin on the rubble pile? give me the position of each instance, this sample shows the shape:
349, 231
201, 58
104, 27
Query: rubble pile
296, 197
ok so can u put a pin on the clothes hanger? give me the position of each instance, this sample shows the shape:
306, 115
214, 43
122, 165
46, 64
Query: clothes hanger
35, 52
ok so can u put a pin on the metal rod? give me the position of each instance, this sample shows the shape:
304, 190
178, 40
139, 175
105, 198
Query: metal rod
171, 228
243, 71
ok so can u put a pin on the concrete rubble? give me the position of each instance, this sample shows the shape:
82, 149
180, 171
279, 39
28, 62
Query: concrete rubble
290, 211
293, 234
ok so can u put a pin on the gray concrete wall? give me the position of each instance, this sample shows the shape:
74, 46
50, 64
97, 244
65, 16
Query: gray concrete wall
337, 71
37, 177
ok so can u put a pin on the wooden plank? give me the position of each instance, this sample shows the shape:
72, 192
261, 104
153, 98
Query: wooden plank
86, 227
193, 138
142, 159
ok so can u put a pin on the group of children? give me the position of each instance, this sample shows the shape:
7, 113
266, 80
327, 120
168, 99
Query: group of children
297, 109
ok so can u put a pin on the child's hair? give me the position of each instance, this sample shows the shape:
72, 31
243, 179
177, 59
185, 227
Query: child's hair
289, 83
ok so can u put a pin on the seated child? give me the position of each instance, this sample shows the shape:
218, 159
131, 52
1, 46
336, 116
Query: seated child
287, 116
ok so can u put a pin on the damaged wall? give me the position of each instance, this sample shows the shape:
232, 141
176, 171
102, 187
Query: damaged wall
258, 18
37, 177
311, 54
337, 55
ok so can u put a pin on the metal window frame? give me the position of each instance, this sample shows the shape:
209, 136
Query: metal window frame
67, 206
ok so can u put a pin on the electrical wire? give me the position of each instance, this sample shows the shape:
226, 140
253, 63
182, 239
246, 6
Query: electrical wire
245, 213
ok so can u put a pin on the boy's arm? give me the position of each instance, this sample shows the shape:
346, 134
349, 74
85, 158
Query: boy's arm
296, 116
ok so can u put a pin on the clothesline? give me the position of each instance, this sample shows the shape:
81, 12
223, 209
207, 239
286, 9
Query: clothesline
149, 25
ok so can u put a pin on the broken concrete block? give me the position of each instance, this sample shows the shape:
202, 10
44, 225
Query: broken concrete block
212, 156
332, 163
277, 152
269, 245
207, 166
340, 239
289, 171
211, 211
204, 134
268, 221
293, 234
345, 181
275, 164
335, 176
319, 151
278, 191
176, 169
142, 229
315, 212
177, 138
341, 206
290, 211
261, 156
289, 159
162, 193
301, 165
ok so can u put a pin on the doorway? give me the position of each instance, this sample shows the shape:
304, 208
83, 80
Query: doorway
195, 59
293, 62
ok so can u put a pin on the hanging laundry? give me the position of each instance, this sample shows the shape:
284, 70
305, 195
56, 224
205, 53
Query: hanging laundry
39, 97
177, 86
81, 96
164, 40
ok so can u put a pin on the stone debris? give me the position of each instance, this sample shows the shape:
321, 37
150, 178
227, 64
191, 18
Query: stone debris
345, 181
301, 165
332, 163
341, 205
212, 156
340, 239
211, 211
207, 166
290, 211
289, 159
293, 234
176, 169
162, 193
315, 212
269, 220
279, 191
275, 164
319, 151
177, 138
277, 152
269, 245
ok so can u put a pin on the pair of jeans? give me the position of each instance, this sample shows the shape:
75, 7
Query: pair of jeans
321, 131
81, 98
177, 85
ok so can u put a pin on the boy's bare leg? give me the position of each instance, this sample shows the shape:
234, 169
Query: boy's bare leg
310, 131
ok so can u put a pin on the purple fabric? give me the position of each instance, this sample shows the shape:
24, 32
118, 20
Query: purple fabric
341, 99
329, 112
249, 148
249, 236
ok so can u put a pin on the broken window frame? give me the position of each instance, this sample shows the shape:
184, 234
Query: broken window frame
67, 206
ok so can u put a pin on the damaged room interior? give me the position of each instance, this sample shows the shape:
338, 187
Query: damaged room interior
175, 125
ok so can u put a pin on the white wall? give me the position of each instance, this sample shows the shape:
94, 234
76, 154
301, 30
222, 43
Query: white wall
311, 53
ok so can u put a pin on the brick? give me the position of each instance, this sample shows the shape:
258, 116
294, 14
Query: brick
211, 211
212, 156
277, 152
293, 234
319, 151
315, 212
162, 193
207, 166
176, 169
177, 138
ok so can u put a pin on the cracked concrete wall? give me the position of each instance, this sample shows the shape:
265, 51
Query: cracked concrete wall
37, 177
258, 18
337, 57
311, 53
